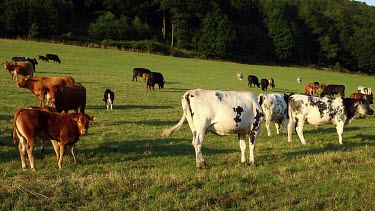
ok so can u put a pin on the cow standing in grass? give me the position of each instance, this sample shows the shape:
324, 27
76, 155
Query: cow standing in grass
221, 113
323, 110
275, 109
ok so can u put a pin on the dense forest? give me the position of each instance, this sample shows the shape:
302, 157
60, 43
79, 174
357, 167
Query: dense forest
336, 34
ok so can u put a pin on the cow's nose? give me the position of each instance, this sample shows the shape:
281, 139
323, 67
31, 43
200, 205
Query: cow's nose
83, 131
371, 112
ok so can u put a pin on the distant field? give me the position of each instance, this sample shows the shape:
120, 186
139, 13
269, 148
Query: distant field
126, 164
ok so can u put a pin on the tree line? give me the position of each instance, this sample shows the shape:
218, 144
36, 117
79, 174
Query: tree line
338, 34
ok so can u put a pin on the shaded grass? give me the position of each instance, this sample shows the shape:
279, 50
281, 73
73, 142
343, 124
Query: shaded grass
126, 164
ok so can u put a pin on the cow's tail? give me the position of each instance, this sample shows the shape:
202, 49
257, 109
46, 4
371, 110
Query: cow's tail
170, 131
14, 134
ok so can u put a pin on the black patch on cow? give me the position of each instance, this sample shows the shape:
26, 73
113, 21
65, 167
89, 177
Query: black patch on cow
257, 119
252, 137
295, 105
351, 107
187, 98
238, 110
218, 96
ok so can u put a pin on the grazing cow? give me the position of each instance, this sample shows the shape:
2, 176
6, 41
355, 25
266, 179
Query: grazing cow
274, 107
65, 129
43, 58
332, 89
25, 59
145, 77
253, 80
155, 78
138, 71
311, 88
221, 113
360, 95
323, 110
264, 84
240, 76
271, 83
40, 86
68, 97
18, 68
299, 79
364, 90
53, 57
109, 97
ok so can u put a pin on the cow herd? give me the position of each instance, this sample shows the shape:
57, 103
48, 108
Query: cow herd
219, 112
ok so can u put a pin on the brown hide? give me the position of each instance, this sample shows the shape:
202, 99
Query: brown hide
311, 88
360, 96
68, 97
19, 68
64, 128
39, 86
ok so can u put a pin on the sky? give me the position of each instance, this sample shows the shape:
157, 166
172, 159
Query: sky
369, 2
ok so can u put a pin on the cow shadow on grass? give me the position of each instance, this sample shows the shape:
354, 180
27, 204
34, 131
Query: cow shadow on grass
150, 122
115, 107
175, 90
327, 129
6, 117
146, 148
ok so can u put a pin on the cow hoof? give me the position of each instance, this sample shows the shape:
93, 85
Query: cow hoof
252, 163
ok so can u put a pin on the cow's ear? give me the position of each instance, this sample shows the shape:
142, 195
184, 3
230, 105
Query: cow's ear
92, 118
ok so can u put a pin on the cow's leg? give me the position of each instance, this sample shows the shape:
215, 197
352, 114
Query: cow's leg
30, 149
242, 138
74, 153
299, 130
252, 141
200, 163
111, 106
62, 151
56, 147
340, 130
22, 150
291, 127
285, 126
268, 123
277, 125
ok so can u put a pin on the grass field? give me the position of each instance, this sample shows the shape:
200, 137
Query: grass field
128, 165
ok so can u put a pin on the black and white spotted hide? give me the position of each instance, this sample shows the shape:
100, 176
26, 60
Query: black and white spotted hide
109, 97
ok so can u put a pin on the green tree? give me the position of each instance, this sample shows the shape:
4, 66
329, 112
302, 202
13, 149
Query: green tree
217, 35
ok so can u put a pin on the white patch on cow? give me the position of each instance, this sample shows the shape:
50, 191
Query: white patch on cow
222, 113
275, 109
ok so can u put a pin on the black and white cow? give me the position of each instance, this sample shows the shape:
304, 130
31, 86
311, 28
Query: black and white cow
221, 113
323, 110
274, 109
109, 97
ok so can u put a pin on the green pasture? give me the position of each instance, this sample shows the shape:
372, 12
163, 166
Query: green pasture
128, 165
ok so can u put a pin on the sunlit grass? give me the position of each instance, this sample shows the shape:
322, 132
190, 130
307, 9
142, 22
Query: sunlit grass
126, 164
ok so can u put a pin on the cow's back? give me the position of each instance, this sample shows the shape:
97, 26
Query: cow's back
229, 112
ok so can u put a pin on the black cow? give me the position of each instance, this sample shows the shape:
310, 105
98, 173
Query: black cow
109, 97
155, 78
138, 71
331, 90
253, 80
53, 57
264, 84
23, 59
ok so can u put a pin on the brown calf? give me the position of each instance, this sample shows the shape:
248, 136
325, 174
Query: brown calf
65, 129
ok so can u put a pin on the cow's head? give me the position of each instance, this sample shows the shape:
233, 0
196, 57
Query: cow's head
364, 107
162, 84
22, 81
55, 92
83, 122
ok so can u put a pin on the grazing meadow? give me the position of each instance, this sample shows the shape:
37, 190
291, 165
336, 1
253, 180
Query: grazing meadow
127, 165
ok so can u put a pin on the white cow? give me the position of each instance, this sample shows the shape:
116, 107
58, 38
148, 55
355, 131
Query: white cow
323, 110
299, 80
240, 76
275, 109
364, 90
221, 113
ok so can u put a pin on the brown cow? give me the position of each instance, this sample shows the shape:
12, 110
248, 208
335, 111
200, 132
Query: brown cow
145, 76
271, 83
39, 86
312, 88
66, 129
360, 96
19, 68
68, 97
43, 58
